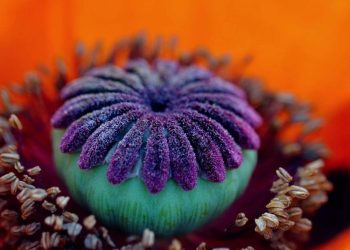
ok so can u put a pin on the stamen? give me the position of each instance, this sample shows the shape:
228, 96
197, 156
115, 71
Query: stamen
147, 238
241, 220
15, 122
89, 222
285, 210
62, 201
176, 245
34, 171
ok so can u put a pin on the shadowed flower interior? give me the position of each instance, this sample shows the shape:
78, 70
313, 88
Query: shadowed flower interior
157, 120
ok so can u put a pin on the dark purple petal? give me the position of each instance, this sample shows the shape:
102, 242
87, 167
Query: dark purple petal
184, 167
207, 152
127, 153
214, 85
190, 75
156, 165
78, 132
80, 105
230, 151
100, 142
142, 70
113, 73
241, 131
226, 101
87, 85
166, 68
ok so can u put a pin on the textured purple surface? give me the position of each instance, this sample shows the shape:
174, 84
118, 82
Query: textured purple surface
89, 84
157, 121
128, 152
155, 170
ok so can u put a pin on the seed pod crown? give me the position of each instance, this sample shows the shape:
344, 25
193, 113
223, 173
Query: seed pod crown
157, 121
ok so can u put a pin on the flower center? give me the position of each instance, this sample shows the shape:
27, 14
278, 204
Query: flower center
160, 98
158, 106
156, 123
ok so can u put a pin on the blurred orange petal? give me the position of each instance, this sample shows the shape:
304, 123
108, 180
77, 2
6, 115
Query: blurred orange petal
298, 46
340, 242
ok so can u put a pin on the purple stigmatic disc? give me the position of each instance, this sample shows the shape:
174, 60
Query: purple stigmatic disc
157, 121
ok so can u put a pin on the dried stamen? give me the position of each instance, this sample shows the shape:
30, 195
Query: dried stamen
241, 220
15, 122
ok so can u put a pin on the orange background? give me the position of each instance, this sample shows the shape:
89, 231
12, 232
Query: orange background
298, 46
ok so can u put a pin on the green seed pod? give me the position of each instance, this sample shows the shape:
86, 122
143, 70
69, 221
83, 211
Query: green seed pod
129, 206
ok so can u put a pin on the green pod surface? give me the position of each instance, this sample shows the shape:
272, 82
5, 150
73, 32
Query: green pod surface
130, 207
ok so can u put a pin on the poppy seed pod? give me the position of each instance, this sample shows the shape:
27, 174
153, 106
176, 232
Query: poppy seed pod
155, 145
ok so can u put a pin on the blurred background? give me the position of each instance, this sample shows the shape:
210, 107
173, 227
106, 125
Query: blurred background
297, 46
